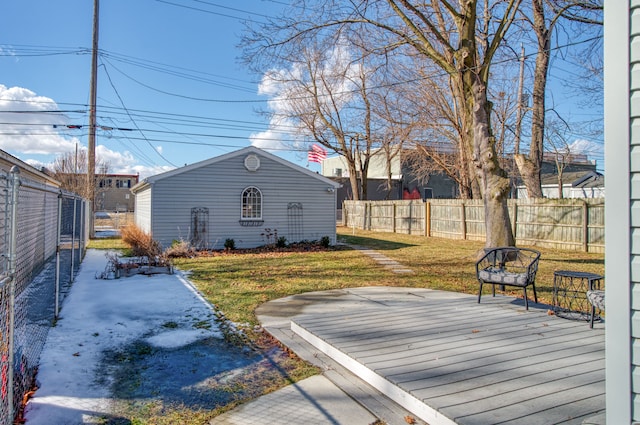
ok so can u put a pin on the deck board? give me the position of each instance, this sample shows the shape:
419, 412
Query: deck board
485, 363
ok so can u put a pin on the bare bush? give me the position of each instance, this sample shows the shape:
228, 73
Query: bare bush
180, 249
141, 242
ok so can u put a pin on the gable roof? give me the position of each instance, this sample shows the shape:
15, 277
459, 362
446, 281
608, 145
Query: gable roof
216, 159
575, 179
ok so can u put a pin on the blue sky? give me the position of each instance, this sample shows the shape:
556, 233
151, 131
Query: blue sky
171, 90
168, 73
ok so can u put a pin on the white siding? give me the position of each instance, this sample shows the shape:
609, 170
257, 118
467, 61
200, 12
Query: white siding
622, 278
377, 166
143, 209
218, 187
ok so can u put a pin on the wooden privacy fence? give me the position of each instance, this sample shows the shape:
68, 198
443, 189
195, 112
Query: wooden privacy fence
571, 224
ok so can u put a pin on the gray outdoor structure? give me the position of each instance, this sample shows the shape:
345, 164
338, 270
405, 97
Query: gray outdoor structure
237, 196
622, 220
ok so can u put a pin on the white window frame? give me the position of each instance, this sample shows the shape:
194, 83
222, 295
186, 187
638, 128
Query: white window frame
258, 203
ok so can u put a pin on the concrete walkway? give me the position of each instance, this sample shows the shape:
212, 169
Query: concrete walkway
315, 400
383, 260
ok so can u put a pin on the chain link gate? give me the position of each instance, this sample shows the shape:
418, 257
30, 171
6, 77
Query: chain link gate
42, 243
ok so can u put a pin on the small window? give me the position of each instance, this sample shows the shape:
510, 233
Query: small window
251, 204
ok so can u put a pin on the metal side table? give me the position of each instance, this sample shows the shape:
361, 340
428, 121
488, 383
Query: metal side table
570, 293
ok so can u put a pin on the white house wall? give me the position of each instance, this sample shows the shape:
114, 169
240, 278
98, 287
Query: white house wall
143, 209
377, 166
219, 187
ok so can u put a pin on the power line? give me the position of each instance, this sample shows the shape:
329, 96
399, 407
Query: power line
216, 13
133, 121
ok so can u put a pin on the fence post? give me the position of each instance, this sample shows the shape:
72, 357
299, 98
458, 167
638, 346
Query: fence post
73, 240
427, 219
15, 178
463, 216
585, 226
59, 230
393, 216
514, 220
82, 244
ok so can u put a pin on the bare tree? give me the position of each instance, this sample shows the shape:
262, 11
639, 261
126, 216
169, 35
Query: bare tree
70, 169
546, 16
462, 41
439, 142
323, 90
558, 145
459, 39
395, 120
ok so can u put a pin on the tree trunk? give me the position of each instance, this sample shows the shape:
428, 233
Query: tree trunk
353, 179
532, 165
530, 173
490, 177
494, 181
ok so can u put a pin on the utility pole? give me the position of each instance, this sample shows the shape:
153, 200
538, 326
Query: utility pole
91, 152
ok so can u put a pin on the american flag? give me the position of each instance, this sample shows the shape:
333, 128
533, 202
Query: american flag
316, 154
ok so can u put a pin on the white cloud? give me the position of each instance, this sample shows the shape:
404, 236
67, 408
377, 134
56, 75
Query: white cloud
289, 88
125, 163
36, 132
28, 129
144, 171
586, 147
267, 140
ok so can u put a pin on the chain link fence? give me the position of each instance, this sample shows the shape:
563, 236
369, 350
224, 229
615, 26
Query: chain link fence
42, 241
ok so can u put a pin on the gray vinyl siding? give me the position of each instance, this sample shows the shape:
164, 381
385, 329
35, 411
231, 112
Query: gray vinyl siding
143, 209
622, 205
219, 187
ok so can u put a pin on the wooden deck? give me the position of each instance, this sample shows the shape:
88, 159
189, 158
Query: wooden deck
449, 360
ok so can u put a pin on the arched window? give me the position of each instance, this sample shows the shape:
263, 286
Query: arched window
251, 204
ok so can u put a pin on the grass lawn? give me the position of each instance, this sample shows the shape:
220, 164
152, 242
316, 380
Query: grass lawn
237, 283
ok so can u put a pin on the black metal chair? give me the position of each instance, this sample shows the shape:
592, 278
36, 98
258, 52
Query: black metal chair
509, 266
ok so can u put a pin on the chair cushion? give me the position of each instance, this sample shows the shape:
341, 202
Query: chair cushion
596, 298
499, 276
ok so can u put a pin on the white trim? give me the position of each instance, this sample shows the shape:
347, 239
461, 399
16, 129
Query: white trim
242, 218
244, 151
618, 209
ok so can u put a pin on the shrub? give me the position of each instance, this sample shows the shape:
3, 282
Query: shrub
281, 242
270, 236
180, 249
140, 242
325, 241
229, 244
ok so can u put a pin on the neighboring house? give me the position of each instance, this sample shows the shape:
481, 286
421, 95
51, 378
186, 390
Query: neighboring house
575, 184
622, 206
27, 172
404, 184
113, 192
248, 195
